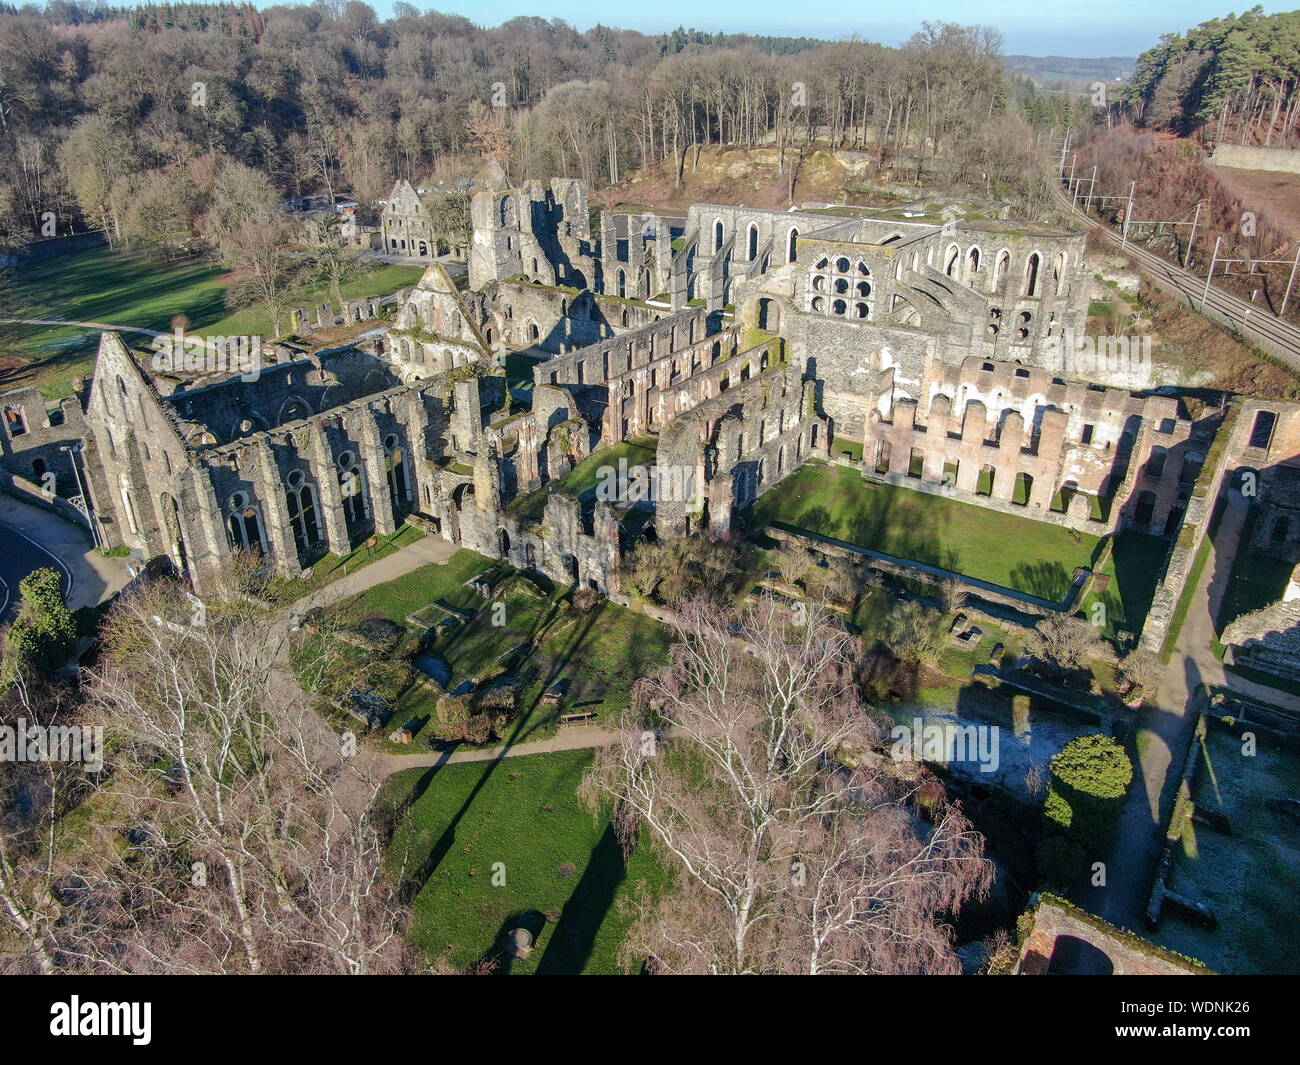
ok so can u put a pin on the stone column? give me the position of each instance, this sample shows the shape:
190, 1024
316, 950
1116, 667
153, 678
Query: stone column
326, 476
372, 455
275, 512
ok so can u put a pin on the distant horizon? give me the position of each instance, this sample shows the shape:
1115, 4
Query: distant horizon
1102, 30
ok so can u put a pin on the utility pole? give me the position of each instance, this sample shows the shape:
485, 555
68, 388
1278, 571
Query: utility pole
1218, 241
1291, 281
1128, 213
1187, 259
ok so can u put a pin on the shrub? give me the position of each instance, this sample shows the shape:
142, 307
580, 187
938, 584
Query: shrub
450, 717
389, 679
478, 729
45, 633
1089, 779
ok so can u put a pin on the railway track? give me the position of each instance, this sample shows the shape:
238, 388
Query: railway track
1280, 339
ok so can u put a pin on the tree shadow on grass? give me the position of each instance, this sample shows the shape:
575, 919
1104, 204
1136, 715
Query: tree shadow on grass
1046, 580
570, 946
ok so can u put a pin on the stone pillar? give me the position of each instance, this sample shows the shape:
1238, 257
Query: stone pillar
1010, 440
275, 512
421, 469
372, 455
900, 442
326, 476
936, 439
197, 496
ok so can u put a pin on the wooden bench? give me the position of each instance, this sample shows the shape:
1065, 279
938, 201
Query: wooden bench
577, 719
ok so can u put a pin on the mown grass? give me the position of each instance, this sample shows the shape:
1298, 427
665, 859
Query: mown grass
488, 847
1130, 574
584, 477
127, 290
600, 652
1004, 549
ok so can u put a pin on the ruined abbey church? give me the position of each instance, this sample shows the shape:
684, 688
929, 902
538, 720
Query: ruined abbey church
732, 345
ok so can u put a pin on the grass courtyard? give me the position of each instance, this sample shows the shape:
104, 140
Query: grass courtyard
1126, 581
586, 475
126, 289
600, 652
561, 871
1003, 549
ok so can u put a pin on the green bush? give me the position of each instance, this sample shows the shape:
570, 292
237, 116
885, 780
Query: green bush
1089, 780
44, 635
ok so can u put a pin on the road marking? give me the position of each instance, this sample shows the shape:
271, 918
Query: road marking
67, 594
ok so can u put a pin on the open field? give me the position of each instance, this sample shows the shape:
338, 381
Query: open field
127, 290
560, 873
1004, 549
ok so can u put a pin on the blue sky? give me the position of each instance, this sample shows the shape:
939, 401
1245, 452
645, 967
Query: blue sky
1102, 27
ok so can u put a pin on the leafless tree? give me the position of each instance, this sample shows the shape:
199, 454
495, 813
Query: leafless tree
250, 841
33, 796
735, 764
952, 596
915, 634
1063, 642
1143, 670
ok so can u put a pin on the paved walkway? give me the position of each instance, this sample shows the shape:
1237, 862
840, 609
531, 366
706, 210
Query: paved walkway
572, 738
1130, 866
31, 537
428, 550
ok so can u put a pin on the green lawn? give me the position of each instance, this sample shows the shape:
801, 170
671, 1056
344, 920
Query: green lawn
587, 474
1130, 576
1004, 549
563, 869
601, 653
127, 290
332, 567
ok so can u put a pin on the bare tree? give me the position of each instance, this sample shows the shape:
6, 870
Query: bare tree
33, 797
786, 858
1064, 643
332, 261
915, 635
1143, 670
952, 596
252, 844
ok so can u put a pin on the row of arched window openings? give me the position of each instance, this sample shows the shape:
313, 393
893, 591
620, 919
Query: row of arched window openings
751, 240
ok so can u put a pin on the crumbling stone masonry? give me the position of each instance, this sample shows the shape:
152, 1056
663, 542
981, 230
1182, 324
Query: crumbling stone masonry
731, 344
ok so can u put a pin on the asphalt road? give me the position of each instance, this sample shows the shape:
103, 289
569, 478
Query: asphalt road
19, 556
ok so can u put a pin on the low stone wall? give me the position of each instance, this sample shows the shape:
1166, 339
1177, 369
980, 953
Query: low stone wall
1239, 157
1200, 516
21, 488
46, 249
